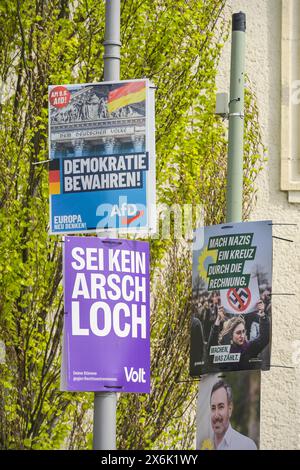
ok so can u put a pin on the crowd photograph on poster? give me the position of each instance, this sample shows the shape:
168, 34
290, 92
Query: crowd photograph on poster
232, 288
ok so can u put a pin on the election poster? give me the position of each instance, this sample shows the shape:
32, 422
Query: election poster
106, 338
231, 299
102, 157
228, 411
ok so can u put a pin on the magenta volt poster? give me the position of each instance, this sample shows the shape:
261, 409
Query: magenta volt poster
106, 341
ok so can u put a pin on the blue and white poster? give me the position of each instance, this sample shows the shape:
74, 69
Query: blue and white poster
102, 157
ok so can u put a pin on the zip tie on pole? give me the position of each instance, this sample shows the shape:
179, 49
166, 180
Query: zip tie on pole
234, 99
241, 115
198, 379
114, 386
281, 367
285, 239
42, 162
228, 115
295, 225
282, 293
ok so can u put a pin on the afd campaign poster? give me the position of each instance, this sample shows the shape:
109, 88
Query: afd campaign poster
102, 157
106, 339
231, 300
228, 411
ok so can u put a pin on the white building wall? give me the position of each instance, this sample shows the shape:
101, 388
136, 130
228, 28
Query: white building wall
280, 399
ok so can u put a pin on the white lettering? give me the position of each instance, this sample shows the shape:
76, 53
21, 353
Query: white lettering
75, 254
122, 333
106, 319
76, 329
138, 321
80, 287
122, 320
132, 375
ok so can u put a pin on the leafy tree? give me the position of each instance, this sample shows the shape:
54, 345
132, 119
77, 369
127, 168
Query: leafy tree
177, 45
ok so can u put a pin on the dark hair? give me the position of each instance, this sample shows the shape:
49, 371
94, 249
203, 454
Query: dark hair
222, 384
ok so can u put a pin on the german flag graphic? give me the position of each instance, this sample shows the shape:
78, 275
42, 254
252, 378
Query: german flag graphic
132, 92
54, 181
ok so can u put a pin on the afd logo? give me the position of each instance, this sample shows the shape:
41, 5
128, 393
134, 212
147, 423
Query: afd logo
121, 214
133, 375
128, 213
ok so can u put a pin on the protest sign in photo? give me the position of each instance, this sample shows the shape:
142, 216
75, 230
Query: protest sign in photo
106, 339
228, 411
102, 157
231, 302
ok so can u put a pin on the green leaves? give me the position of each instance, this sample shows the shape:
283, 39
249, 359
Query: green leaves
177, 45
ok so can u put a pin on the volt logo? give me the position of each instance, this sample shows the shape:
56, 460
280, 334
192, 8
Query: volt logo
135, 375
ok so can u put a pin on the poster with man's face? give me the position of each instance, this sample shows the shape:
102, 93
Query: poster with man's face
228, 411
231, 302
